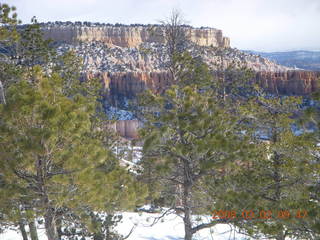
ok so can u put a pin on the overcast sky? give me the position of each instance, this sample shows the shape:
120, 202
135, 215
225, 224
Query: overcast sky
264, 25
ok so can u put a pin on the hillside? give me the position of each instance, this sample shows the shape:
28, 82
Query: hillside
131, 58
155, 131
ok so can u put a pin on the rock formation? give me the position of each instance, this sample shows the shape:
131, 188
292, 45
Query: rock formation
126, 128
130, 36
130, 59
289, 82
129, 84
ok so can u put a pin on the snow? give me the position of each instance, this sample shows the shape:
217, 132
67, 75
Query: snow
129, 157
168, 228
14, 234
119, 114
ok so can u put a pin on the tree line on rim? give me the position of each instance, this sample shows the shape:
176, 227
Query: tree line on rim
93, 24
202, 146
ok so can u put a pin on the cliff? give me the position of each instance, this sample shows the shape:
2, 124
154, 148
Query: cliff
129, 36
128, 71
128, 84
290, 82
130, 59
126, 128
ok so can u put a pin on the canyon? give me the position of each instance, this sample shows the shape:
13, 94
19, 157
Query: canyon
129, 59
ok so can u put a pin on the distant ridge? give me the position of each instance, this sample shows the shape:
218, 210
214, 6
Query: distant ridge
300, 59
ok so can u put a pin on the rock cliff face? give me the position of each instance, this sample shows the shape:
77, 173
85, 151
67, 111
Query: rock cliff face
130, 36
130, 59
128, 84
128, 71
289, 82
126, 128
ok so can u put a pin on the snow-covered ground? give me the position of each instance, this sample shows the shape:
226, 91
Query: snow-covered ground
171, 228
168, 228
12, 234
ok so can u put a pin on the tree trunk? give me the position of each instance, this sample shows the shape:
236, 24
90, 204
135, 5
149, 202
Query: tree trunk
51, 229
59, 227
33, 230
179, 195
49, 216
2, 95
187, 213
280, 236
187, 202
23, 230
277, 181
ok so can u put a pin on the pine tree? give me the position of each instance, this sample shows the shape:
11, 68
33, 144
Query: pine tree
62, 73
275, 185
51, 153
10, 211
191, 131
8, 36
190, 137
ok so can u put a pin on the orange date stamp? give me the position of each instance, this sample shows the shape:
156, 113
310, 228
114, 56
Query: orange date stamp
261, 214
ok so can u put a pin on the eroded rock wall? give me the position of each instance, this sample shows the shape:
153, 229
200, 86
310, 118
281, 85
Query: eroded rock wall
130, 36
289, 82
129, 84
126, 128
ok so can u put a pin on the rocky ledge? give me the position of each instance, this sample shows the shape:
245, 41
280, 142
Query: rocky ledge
128, 36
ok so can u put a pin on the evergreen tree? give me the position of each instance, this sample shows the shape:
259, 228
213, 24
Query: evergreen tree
191, 134
272, 192
8, 36
32, 49
52, 154
11, 212
190, 138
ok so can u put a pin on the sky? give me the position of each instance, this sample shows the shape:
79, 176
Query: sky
261, 25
